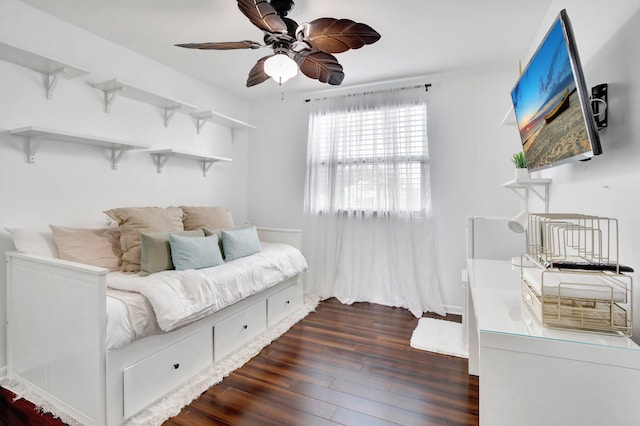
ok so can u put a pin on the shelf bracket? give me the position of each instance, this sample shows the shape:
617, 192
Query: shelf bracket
206, 165
522, 193
116, 156
199, 123
51, 81
110, 97
169, 113
160, 161
33, 143
544, 196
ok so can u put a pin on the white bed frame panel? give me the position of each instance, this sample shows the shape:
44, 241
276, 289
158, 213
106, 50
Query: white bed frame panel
56, 328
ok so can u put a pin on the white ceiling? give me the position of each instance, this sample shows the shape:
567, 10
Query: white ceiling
419, 37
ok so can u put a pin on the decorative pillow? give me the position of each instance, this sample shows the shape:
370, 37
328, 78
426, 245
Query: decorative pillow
206, 217
33, 242
156, 251
194, 252
91, 246
133, 221
218, 232
239, 243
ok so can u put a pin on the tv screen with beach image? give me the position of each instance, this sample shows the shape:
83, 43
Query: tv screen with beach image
548, 108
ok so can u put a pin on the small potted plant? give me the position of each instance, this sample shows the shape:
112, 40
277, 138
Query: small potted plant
521, 165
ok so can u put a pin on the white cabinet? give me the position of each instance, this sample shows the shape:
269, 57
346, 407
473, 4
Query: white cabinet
283, 303
233, 332
533, 375
153, 377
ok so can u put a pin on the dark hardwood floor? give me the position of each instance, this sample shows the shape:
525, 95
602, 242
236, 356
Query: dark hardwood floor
341, 365
347, 365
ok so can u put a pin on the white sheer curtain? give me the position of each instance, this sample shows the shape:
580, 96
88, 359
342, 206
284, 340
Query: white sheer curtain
368, 233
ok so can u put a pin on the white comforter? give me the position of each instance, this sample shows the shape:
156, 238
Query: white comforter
181, 297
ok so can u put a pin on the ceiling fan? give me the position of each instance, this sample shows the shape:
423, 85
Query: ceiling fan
308, 46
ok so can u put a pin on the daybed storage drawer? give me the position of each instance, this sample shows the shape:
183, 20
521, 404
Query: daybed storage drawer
155, 376
283, 303
235, 331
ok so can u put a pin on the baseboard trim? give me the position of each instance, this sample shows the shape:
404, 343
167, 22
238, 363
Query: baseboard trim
454, 309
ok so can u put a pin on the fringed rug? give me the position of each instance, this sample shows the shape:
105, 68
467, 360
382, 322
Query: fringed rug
171, 405
440, 336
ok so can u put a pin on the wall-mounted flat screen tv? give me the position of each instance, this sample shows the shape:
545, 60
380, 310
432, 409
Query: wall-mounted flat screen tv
552, 105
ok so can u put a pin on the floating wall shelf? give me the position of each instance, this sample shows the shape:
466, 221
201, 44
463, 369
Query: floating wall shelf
214, 117
52, 70
522, 186
161, 156
35, 135
114, 88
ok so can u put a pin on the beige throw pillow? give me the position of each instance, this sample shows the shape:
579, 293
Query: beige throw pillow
91, 246
206, 217
133, 221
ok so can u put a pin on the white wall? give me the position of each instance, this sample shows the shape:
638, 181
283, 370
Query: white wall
469, 150
607, 40
72, 184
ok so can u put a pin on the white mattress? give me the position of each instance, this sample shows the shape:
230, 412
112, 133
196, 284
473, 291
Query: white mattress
129, 317
119, 330
576, 285
181, 297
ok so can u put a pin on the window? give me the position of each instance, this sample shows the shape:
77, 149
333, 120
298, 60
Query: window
368, 154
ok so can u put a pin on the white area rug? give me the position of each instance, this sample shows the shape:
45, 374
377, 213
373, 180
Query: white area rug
440, 336
171, 405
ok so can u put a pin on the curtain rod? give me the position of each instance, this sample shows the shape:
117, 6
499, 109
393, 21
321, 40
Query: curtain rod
426, 89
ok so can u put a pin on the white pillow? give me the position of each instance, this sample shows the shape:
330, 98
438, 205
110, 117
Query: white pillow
34, 242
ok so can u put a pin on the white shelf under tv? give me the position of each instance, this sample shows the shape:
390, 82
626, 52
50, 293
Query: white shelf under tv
522, 186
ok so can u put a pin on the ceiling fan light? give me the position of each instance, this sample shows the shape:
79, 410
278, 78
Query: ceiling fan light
280, 67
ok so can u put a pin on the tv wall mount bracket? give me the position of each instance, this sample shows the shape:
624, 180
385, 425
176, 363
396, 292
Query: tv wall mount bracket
599, 99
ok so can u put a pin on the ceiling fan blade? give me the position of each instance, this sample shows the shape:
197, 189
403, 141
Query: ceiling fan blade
257, 74
320, 66
332, 35
262, 15
225, 45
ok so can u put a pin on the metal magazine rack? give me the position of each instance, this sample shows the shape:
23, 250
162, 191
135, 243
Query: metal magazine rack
576, 281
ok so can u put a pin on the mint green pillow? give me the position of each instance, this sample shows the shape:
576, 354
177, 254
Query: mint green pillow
155, 250
238, 243
194, 252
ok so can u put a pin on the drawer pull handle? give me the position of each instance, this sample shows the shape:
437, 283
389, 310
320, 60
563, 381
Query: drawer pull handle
176, 366
288, 302
245, 326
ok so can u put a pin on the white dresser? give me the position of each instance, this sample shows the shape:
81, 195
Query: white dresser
532, 375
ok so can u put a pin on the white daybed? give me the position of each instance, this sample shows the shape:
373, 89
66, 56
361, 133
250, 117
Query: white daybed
56, 331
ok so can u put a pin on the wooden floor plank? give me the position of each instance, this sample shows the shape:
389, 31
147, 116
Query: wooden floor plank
342, 365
